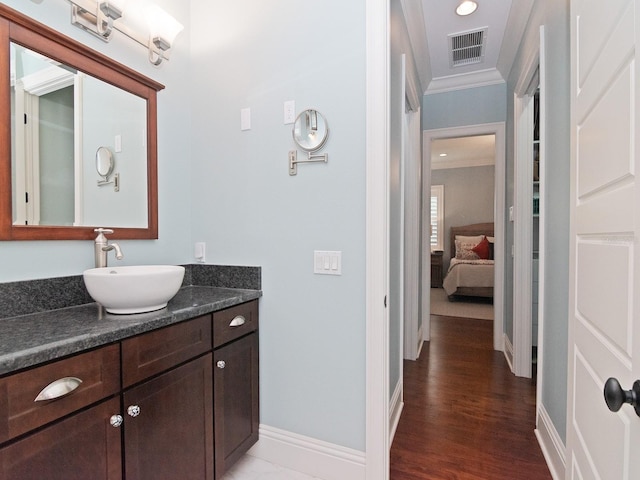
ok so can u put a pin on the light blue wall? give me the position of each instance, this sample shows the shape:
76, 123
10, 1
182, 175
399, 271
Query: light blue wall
28, 260
471, 106
554, 15
255, 54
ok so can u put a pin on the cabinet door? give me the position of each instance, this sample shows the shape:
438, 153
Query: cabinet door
83, 446
171, 436
236, 401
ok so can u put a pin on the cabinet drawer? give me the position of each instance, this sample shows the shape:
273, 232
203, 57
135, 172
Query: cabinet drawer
154, 352
98, 370
234, 322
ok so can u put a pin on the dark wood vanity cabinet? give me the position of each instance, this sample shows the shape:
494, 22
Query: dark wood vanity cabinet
75, 445
82, 446
171, 435
168, 426
235, 383
176, 402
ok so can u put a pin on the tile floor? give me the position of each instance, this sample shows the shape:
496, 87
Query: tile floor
252, 468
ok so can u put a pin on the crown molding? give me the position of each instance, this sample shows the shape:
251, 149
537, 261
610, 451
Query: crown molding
451, 83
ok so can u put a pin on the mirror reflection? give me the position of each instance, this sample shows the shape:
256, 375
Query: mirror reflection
60, 119
310, 130
104, 163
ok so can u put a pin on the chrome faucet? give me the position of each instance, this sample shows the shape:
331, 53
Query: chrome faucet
102, 247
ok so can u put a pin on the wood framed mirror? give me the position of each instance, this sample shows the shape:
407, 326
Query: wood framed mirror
124, 96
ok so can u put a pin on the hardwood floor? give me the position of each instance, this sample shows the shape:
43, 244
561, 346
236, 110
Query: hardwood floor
466, 416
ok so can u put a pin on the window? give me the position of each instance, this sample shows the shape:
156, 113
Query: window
437, 217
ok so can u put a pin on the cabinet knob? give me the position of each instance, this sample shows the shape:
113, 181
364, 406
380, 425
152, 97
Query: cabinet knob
116, 420
133, 410
221, 364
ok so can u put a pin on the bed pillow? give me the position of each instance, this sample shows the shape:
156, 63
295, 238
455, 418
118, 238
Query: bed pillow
475, 239
464, 250
482, 249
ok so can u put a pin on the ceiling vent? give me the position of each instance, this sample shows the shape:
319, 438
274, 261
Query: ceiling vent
467, 48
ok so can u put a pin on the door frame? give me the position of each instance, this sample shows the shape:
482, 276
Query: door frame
532, 72
497, 129
413, 245
377, 239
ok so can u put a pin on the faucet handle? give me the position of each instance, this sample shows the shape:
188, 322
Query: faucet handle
103, 230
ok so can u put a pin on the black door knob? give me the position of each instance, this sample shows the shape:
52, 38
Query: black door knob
615, 396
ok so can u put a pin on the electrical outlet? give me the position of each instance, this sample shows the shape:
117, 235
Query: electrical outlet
199, 251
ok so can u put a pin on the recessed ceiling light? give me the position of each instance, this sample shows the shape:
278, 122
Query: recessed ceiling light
443, 154
466, 8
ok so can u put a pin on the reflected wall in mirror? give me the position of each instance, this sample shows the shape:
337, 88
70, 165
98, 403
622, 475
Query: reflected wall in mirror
64, 102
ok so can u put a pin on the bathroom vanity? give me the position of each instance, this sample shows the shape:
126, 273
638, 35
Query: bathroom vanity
170, 394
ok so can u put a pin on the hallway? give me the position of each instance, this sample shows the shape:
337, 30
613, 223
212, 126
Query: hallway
465, 415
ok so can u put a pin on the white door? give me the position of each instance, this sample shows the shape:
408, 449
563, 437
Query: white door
604, 303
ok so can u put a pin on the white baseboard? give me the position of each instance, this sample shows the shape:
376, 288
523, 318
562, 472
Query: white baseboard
551, 444
395, 410
508, 351
307, 455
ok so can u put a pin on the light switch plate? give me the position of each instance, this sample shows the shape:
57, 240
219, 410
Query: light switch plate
327, 262
245, 119
289, 112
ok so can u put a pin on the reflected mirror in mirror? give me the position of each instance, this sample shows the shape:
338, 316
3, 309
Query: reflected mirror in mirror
60, 118
104, 163
310, 130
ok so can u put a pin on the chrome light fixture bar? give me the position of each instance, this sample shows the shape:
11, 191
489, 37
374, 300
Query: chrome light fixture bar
96, 17
141, 20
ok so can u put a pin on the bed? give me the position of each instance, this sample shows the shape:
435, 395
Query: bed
471, 271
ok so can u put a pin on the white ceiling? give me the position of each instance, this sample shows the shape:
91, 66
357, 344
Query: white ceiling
461, 152
430, 22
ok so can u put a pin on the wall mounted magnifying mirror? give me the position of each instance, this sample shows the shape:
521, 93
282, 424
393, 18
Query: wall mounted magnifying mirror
105, 164
310, 133
65, 107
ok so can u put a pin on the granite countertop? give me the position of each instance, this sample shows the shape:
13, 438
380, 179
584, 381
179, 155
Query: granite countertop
28, 340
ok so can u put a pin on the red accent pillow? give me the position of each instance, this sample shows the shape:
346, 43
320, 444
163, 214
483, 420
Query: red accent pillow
482, 249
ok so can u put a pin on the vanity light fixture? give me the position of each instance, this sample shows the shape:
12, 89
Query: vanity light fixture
140, 20
467, 7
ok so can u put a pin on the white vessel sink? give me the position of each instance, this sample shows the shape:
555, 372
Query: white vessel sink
133, 289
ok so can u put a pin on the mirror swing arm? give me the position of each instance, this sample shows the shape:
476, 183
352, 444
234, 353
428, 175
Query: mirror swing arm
310, 133
313, 158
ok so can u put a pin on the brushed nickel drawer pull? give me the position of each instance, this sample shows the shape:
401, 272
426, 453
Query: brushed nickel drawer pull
58, 389
238, 321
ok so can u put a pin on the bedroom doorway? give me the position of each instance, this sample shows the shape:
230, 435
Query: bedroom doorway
495, 132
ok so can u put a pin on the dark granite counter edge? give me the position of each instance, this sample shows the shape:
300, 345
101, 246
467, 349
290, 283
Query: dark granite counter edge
99, 333
42, 295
